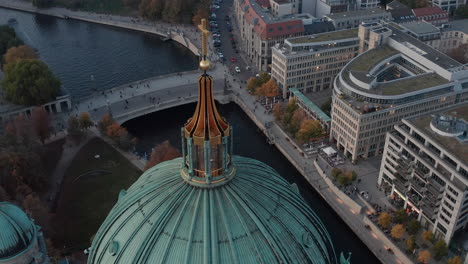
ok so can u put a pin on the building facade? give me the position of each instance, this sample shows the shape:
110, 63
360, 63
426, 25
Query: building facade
453, 35
395, 77
447, 5
260, 29
353, 19
310, 63
424, 165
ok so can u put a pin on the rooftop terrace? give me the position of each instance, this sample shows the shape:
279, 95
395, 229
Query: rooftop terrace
410, 84
450, 144
367, 60
329, 36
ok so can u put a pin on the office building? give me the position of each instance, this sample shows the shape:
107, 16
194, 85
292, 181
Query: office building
395, 77
353, 19
310, 63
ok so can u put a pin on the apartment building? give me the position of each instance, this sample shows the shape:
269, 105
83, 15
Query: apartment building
395, 77
353, 19
432, 14
310, 63
425, 165
262, 25
400, 12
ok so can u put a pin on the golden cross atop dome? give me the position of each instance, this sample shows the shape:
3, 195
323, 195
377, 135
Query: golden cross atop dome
204, 63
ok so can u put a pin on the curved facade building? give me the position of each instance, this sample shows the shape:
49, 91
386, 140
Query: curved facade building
20, 239
396, 76
210, 206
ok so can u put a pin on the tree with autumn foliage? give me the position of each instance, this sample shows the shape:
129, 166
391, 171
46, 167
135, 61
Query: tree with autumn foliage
41, 123
309, 130
268, 89
454, 260
106, 120
85, 121
255, 82
424, 256
201, 12
398, 231
73, 128
113, 131
278, 111
385, 220
22, 52
296, 121
427, 236
162, 152
120, 136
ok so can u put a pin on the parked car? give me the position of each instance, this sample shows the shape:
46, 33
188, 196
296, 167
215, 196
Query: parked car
237, 69
220, 55
233, 59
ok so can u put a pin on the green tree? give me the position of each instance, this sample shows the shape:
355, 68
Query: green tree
462, 11
427, 236
398, 231
454, 260
8, 39
85, 120
410, 244
440, 249
29, 82
413, 227
385, 220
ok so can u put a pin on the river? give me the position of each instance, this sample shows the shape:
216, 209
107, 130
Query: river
75, 50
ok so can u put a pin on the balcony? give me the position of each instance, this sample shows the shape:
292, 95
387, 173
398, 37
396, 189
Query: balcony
430, 212
401, 187
443, 171
435, 185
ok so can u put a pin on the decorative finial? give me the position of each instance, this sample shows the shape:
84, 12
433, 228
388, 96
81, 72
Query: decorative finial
204, 63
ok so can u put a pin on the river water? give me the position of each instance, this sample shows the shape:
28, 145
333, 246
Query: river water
76, 50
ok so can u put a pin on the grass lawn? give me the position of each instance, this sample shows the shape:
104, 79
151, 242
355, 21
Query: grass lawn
85, 201
51, 155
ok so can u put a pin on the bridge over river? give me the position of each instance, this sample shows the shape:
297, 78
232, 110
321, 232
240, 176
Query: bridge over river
146, 96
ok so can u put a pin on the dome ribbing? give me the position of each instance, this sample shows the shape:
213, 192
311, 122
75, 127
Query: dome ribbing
254, 218
17, 231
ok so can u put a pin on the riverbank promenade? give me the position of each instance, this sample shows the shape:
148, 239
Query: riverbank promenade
185, 35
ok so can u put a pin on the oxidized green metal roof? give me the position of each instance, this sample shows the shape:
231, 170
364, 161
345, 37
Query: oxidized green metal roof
310, 104
254, 218
17, 232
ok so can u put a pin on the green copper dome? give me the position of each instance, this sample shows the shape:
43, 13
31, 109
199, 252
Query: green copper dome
17, 231
255, 217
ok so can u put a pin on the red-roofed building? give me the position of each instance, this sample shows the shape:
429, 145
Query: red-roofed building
260, 29
433, 14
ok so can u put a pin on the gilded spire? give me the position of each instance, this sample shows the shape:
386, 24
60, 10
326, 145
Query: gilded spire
204, 63
207, 146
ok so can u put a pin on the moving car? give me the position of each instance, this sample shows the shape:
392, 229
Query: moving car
233, 59
237, 69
